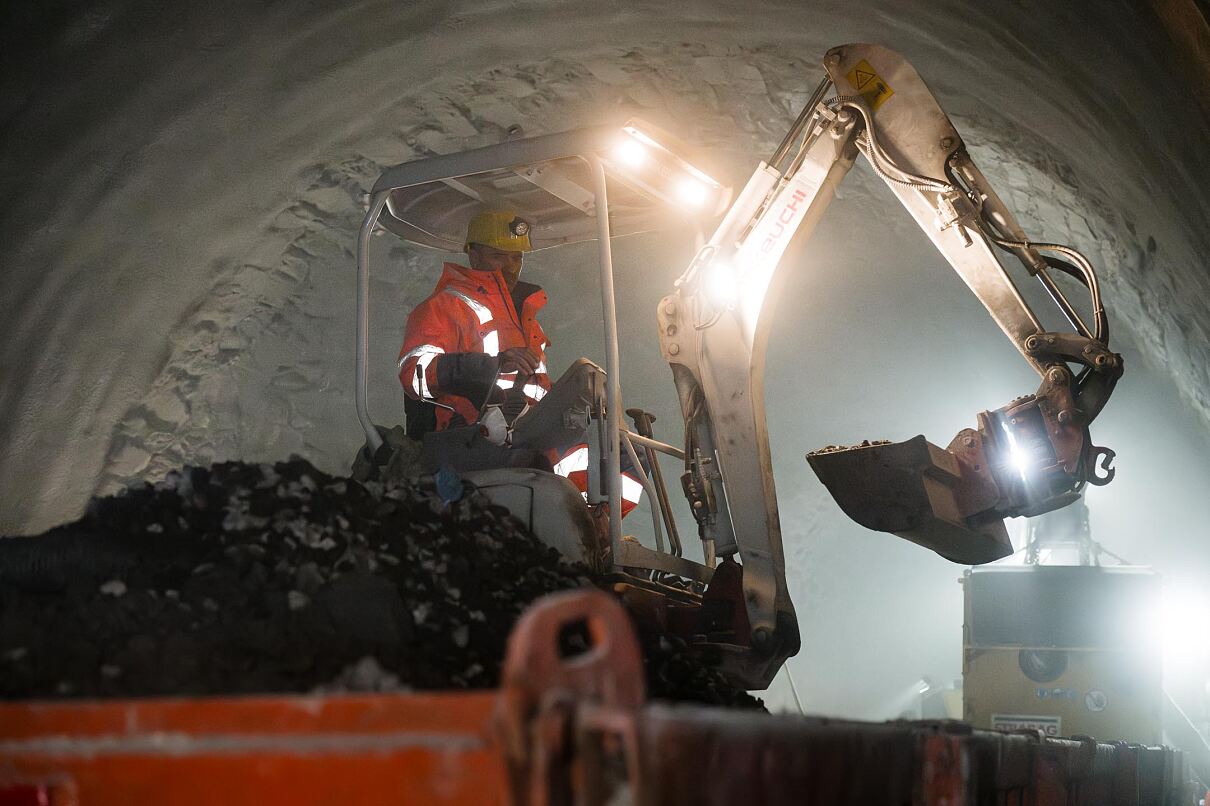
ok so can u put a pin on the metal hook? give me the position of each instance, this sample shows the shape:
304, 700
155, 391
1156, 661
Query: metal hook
1106, 456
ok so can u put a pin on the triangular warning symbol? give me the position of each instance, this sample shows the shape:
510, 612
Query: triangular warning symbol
863, 78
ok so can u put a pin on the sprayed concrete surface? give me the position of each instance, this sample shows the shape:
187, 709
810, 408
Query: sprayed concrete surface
183, 191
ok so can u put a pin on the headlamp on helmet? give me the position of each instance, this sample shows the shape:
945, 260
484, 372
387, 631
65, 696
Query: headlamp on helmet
499, 229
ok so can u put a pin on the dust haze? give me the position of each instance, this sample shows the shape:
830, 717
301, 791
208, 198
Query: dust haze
183, 192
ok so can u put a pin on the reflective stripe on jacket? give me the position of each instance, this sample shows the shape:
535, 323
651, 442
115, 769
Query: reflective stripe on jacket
573, 466
471, 312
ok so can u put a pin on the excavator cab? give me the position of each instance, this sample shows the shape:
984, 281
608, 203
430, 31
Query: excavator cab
588, 184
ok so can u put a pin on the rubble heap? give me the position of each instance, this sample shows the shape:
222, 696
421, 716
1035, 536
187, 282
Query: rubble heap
279, 578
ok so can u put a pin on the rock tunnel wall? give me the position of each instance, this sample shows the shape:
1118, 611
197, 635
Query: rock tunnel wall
183, 189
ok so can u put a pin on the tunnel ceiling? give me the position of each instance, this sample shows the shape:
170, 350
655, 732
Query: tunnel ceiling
183, 186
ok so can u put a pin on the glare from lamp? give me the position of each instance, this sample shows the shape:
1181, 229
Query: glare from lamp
691, 191
1021, 461
1183, 618
1020, 458
630, 152
719, 283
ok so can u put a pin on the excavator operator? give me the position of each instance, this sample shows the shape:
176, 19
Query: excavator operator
473, 362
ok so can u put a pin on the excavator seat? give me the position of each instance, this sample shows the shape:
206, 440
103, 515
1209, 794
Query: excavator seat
465, 449
462, 449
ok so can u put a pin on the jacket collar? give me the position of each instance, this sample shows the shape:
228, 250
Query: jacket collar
471, 281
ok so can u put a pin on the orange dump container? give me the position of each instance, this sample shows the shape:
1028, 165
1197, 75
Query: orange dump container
408, 748
561, 729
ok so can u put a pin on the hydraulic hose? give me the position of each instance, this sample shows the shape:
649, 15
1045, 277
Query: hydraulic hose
883, 165
1084, 267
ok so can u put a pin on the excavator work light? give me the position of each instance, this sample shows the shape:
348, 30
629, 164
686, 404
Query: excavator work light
691, 191
1024, 457
1022, 461
719, 282
651, 160
630, 152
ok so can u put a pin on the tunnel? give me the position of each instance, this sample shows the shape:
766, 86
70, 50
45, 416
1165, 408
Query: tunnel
184, 183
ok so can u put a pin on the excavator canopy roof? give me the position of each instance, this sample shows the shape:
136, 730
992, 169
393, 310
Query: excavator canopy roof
548, 181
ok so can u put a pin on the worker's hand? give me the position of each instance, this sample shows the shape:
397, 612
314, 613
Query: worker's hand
519, 359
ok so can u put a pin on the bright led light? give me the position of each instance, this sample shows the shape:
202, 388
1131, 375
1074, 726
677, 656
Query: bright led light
1021, 459
630, 152
1183, 617
691, 191
719, 283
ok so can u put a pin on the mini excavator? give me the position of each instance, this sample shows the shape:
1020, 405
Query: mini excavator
1028, 457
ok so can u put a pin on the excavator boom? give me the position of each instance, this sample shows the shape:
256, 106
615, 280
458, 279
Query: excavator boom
1028, 457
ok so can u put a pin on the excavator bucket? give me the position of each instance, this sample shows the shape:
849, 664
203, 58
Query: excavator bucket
919, 492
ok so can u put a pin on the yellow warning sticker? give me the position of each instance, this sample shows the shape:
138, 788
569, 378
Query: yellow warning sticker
869, 85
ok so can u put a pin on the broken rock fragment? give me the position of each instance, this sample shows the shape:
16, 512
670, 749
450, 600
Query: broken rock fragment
243, 578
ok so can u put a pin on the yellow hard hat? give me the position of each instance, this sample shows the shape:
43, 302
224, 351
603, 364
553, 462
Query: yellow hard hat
501, 229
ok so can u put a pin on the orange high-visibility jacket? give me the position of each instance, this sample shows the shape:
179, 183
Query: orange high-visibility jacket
453, 337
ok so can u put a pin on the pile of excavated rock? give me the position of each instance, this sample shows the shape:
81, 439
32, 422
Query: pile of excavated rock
280, 578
